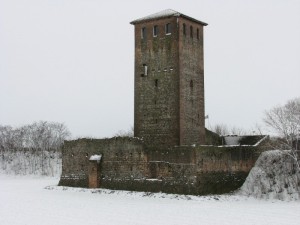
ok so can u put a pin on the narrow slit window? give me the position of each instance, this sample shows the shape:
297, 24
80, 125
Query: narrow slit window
191, 31
197, 33
156, 82
168, 28
155, 31
143, 33
191, 84
184, 29
145, 70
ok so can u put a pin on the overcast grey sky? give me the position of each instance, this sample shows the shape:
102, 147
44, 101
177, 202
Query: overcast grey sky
72, 61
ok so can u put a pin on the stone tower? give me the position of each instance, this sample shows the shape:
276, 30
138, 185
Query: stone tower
169, 79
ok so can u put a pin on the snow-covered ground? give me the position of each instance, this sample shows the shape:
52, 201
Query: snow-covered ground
38, 201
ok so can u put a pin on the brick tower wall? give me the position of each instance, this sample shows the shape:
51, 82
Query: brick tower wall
156, 112
191, 73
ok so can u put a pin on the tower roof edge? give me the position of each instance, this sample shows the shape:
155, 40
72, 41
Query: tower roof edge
164, 14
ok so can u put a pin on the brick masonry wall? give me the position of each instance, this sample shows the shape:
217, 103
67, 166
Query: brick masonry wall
191, 75
156, 112
126, 164
169, 100
122, 158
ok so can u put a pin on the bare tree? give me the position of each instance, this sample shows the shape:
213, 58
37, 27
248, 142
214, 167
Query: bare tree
285, 121
125, 133
223, 130
39, 138
220, 129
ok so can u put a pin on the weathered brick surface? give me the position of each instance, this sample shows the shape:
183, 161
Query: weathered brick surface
168, 111
94, 174
127, 164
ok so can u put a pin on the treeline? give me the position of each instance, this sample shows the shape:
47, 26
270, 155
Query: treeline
33, 148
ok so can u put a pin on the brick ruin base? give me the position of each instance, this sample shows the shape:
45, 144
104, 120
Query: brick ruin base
127, 164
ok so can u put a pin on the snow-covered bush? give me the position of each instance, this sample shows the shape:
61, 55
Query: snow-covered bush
274, 176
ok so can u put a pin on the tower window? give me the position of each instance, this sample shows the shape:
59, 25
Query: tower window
155, 31
197, 33
168, 28
191, 84
184, 29
145, 70
191, 31
156, 82
143, 33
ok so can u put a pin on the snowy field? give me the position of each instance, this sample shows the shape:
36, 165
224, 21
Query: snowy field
38, 201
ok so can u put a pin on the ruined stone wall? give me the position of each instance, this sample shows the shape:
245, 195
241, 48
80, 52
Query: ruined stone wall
202, 169
128, 165
122, 158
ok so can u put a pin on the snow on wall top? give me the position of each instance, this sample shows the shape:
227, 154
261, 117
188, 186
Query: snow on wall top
248, 140
163, 14
232, 140
95, 158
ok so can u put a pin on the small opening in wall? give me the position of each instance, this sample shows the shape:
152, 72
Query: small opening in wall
145, 70
155, 102
184, 29
191, 31
168, 28
155, 120
143, 33
191, 84
197, 33
156, 82
155, 31
131, 168
130, 154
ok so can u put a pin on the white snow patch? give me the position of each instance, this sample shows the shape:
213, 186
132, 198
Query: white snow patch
232, 140
25, 200
164, 13
96, 158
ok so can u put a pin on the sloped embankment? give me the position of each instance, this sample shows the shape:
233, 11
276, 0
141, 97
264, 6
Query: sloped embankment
274, 176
